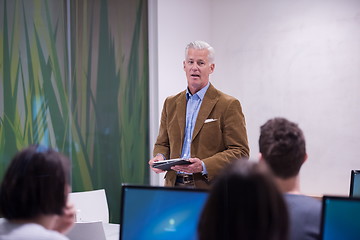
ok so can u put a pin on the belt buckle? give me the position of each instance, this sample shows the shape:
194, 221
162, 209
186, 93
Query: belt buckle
187, 179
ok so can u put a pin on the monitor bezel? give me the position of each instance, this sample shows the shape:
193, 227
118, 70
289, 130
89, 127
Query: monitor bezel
133, 186
352, 181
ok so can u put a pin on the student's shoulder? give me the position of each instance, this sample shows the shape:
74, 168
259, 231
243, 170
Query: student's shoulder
300, 200
29, 231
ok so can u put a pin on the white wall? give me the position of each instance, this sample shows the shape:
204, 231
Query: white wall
179, 22
296, 59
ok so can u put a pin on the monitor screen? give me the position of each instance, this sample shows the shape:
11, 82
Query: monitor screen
160, 212
355, 183
340, 218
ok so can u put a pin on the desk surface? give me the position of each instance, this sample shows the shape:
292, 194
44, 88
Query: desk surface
112, 231
94, 231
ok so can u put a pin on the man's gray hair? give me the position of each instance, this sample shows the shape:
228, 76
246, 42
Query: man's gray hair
201, 45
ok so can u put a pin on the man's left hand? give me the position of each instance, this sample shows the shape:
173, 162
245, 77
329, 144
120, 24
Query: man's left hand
194, 167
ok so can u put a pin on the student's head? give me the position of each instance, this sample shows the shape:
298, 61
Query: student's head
244, 203
282, 146
35, 183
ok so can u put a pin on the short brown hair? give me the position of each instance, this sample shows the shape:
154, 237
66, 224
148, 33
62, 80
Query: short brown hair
244, 203
34, 184
282, 145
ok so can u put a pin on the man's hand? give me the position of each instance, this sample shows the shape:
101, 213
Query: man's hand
157, 158
194, 167
64, 222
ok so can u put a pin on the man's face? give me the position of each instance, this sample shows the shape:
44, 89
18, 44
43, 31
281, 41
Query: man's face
197, 68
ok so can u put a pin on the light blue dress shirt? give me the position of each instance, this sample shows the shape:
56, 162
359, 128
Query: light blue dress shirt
192, 110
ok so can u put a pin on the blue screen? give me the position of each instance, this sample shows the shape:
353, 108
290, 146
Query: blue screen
341, 219
155, 213
356, 185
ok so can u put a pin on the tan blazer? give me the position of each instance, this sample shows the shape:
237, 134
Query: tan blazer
219, 135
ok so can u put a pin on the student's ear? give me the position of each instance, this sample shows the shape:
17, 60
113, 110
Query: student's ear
306, 157
261, 159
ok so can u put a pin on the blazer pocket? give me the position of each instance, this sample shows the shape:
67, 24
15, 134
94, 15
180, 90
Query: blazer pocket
209, 120
210, 136
211, 130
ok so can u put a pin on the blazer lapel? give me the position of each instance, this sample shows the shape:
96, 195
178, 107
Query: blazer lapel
209, 101
181, 114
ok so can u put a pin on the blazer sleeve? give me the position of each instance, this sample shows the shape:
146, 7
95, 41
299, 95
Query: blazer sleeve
234, 137
162, 144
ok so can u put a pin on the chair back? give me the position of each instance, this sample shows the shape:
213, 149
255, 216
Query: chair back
90, 206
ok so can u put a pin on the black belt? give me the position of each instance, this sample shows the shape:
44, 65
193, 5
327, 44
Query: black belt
184, 178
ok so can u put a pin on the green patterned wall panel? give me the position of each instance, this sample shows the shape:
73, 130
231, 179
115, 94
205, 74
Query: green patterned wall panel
33, 77
110, 97
99, 115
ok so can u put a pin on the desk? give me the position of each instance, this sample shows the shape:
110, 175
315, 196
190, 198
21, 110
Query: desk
94, 231
112, 231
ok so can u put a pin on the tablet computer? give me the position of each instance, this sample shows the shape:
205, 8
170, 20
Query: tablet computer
167, 164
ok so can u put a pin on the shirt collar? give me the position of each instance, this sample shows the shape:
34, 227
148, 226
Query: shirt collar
200, 93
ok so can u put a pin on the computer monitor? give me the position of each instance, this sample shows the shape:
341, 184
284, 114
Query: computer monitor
340, 218
160, 212
355, 183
